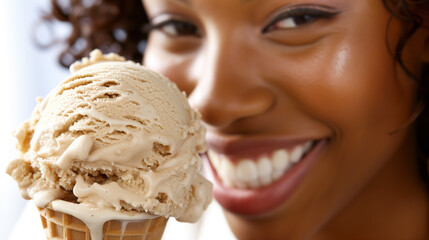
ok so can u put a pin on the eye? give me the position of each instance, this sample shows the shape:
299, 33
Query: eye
297, 16
175, 28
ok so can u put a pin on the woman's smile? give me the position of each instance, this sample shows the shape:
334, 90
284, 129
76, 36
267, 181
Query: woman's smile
254, 177
258, 170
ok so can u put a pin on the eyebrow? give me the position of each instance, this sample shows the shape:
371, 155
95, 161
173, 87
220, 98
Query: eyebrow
184, 1
188, 3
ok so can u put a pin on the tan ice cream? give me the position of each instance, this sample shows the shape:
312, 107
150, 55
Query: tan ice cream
114, 140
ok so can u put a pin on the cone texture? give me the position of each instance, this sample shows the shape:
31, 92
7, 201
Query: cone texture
59, 225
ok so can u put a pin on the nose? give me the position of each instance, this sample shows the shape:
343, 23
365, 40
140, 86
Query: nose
228, 87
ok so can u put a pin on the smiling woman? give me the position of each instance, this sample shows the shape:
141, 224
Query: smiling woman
316, 110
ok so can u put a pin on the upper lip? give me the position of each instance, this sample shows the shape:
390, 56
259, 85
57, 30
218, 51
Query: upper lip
236, 146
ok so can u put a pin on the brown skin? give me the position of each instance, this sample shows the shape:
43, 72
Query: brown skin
331, 78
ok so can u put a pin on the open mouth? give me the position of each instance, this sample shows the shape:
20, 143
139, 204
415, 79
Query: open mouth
254, 186
247, 173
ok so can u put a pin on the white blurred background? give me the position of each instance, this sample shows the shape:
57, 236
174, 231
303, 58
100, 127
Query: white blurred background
27, 72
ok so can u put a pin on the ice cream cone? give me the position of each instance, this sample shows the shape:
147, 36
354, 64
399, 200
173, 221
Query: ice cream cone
113, 135
58, 225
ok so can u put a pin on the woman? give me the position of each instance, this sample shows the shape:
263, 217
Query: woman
315, 110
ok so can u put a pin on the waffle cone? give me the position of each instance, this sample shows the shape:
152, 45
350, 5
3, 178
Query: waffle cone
58, 225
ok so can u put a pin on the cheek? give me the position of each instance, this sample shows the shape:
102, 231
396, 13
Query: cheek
364, 91
359, 97
347, 85
363, 84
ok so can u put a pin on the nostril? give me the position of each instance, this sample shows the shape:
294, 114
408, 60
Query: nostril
224, 108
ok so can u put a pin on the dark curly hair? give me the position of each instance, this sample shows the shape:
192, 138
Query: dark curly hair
119, 26
411, 13
110, 25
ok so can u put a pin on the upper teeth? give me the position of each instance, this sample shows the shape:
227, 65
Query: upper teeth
247, 173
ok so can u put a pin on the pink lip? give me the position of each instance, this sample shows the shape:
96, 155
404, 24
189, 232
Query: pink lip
263, 200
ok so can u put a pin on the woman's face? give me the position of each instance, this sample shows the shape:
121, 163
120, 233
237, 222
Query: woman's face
299, 97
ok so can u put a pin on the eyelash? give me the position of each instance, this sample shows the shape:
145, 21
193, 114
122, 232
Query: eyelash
179, 25
298, 16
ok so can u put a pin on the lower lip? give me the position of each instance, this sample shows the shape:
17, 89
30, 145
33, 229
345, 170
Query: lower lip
266, 199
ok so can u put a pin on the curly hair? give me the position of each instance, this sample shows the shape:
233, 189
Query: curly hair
110, 25
410, 12
119, 26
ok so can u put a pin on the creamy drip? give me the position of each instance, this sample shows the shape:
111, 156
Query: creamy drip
112, 193
78, 150
95, 218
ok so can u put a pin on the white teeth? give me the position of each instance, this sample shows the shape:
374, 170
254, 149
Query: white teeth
247, 174
265, 170
246, 171
253, 174
228, 172
296, 154
280, 163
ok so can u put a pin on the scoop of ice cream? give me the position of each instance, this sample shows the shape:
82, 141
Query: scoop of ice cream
114, 135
